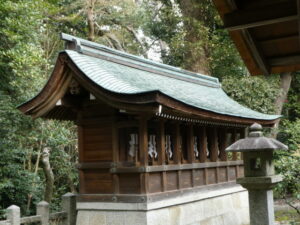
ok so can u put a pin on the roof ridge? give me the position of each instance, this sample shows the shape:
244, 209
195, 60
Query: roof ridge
79, 43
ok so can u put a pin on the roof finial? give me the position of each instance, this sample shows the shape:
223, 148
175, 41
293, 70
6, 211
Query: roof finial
255, 130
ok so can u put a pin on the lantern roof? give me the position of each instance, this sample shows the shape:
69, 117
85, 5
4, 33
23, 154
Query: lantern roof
119, 77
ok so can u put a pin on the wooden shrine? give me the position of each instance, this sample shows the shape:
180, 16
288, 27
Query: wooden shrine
146, 131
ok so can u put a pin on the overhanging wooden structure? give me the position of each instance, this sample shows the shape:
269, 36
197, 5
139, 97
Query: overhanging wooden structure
146, 130
265, 32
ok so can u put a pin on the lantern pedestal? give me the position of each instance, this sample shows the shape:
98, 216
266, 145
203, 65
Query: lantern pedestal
260, 197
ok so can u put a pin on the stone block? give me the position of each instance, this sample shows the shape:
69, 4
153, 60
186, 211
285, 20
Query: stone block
231, 208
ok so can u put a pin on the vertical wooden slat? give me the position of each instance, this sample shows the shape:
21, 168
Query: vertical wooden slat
162, 152
177, 155
164, 181
190, 144
161, 143
206, 176
214, 144
222, 144
233, 140
143, 141
203, 144
116, 158
143, 153
144, 177
179, 179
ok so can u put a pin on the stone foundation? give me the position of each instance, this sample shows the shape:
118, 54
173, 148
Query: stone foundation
226, 206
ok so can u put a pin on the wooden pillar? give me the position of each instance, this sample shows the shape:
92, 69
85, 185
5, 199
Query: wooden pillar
143, 153
223, 144
190, 144
116, 156
177, 155
143, 141
161, 150
203, 144
214, 144
233, 140
161, 143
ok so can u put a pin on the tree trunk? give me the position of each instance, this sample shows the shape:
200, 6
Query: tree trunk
48, 175
196, 57
90, 19
285, 83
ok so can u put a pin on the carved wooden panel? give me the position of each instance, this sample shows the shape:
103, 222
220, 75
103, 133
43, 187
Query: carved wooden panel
211, 176
97, 181
186, 179
96, 143
129, 183
199, 177
172, 180
222, 174
155, 182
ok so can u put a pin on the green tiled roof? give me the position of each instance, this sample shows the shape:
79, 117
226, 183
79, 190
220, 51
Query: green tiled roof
123, 73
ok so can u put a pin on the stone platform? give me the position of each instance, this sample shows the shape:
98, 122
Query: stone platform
226, 206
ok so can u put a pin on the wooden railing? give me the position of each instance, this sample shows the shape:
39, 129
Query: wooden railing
43, 215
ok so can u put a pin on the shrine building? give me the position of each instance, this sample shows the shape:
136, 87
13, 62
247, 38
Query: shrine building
151, 138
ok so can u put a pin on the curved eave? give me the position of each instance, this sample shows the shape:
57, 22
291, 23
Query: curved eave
45, 101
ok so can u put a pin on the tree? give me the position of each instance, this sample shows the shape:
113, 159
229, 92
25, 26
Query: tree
190, 36
24, 67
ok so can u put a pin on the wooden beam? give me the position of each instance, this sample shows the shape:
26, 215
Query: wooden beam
177, 155
256, 52
222, 141
116, 156
298, 15
203, 144
244, 19
190, 144
161, 143
284, 61
143, 141
214, 144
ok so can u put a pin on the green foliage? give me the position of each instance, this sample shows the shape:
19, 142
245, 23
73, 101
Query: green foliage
288, 163
25, 59
257, 93
192, 36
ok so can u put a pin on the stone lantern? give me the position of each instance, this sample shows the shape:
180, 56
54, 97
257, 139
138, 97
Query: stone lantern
260, 177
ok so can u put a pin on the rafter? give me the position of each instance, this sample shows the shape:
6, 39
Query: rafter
257, 55
244, 19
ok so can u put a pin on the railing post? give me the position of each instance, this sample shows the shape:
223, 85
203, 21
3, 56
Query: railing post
69, 206
42, 210
13, 215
